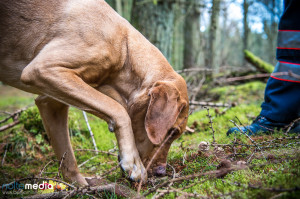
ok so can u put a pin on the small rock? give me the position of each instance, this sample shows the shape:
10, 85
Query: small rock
241, 163
219, 152
203, 146
225, 164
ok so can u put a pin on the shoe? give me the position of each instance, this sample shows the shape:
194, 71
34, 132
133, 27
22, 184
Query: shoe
264, 125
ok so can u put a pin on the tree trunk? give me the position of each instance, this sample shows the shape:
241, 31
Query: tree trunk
246, 27
119, 7
214, 22
178, 37
155, 22
192, 33
127, 7
123, 7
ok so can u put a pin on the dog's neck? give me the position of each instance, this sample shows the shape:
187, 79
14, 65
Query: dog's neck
146, 61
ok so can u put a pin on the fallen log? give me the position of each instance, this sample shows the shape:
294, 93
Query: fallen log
258, 63
7, 126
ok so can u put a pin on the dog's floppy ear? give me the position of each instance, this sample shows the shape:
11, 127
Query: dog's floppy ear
163, 110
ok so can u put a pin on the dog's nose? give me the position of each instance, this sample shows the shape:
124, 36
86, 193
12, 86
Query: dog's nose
159, 171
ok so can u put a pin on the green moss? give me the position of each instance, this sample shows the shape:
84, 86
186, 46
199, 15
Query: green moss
243, 93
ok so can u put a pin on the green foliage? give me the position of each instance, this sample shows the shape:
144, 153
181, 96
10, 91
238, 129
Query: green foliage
32, 121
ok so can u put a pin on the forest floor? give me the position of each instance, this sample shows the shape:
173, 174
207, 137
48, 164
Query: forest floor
267, 167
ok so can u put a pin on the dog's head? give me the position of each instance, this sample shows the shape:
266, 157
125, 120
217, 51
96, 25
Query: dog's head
164, 111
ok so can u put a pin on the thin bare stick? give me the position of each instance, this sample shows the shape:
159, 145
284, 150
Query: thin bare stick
174, 174
263, 75
108, 172
3, 159
291, 125
210, 104
194, 70
40, 175
190, 195
157, 151
198, 88
248, 137
211, 125
15, 114
86, 161
60, 164
90, 130
92, 150
5, 127
216, 173
293, 74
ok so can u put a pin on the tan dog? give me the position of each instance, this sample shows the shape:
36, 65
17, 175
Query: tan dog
83, 54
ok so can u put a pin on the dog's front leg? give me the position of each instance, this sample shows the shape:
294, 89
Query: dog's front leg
59, 79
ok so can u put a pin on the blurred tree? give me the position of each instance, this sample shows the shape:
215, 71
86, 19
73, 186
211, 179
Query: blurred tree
214, 22
245, 24
192, 40
270, 21
155, 20
178, 36
123, 7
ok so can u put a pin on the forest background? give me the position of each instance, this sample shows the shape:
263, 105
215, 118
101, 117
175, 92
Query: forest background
206, 33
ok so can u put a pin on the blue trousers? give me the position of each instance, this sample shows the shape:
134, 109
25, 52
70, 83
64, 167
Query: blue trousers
282, 94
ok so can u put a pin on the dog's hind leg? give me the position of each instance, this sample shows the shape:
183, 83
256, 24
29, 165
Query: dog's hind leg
55, 119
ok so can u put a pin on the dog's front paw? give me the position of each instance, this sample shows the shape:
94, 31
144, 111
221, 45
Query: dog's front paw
133, 167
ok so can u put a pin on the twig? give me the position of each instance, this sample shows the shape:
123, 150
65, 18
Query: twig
247, 136
86, 161
291, 125
174, 174
5, 127
108, 172
210, 104
40, 175
198, 88
15, 114
92, 150
157, 151
190, 195
90, 130
194, 70
60, 164
277, 195
211, 125
293, 75
263, 75
3, 159
216, 173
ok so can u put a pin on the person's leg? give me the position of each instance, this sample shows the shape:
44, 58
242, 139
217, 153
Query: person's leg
282, 94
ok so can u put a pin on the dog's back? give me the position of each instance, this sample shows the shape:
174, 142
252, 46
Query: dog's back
26, 26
